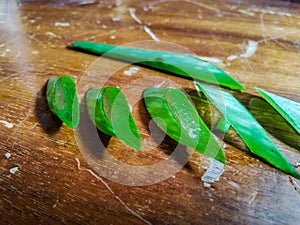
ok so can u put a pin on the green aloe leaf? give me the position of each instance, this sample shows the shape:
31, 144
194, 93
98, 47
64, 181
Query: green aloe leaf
288, 109
109, 110
173, 112
63, 101
248, 128
180, 64
222, 125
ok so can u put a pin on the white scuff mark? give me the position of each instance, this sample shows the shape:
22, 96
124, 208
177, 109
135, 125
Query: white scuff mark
7, 124
252, 197
213, 172
7, 155
112, 192
14, 170
146, 28
200, 4
152, 35
133, 16
51, 34
104, 26
233, 184
113, 37
116, 19
211, 59
206, 185
160, 84
131, 71
246, 12
250, 50
295, 184
61, 24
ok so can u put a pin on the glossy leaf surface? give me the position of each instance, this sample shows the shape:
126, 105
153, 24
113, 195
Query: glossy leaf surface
63, 101
109, 110
248, 128
173, 112
288, 109
181, 64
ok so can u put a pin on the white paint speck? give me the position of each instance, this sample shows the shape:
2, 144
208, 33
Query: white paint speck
61, 24
7, 155
14, 170
250, 50
206, 185
104, 26
131, 71
213, 172
232, 57
7, 124
116, 19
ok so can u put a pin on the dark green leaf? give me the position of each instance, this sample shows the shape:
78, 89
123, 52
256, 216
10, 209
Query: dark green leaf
109, 110
181, 64
62, 100
248, 128
173, 112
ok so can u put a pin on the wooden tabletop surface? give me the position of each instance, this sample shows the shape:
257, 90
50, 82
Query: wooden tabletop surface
44, 175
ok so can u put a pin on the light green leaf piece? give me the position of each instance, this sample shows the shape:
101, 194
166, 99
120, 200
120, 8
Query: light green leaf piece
288, 109
63, 101
222, 125
181, 64
174, 113
109, 110
248, 128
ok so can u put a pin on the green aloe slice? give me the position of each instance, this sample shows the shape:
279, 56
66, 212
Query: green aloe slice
173, 112
248, 128
288, 109
222, 125
109, 110
180, 64
63, 101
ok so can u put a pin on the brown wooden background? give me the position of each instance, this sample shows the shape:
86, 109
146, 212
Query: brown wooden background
46, 186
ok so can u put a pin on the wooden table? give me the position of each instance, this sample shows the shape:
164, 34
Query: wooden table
41, 180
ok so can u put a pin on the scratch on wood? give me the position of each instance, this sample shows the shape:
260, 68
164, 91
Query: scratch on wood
146, 28
295, 184
202, 5
112, 192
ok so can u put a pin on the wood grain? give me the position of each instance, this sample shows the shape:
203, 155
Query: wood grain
49, 187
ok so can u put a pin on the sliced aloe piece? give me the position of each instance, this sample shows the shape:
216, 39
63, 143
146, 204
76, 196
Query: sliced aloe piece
181, 64
288, 109
109, 110
63, 101
222, 125
173, 112
248, 128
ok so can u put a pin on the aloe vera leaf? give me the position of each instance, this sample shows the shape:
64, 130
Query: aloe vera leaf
288, 109
63, 101
248, 128
222, 125
181, 64
173, 112
109, 110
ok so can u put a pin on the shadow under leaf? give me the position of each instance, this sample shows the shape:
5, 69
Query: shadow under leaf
49, 122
